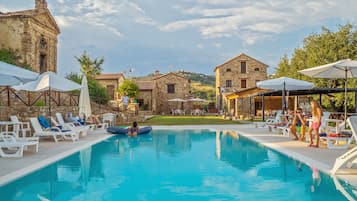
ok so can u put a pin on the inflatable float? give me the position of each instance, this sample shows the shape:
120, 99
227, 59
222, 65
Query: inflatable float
124, 130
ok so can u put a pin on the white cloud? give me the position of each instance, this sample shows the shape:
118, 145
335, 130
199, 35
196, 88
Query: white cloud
257, 20
108, 15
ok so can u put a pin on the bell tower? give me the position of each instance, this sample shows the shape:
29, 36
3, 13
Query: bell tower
40, 4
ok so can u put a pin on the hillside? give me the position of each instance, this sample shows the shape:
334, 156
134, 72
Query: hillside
204, 79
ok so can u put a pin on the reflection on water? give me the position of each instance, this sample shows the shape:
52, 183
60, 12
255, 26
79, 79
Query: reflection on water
178, 165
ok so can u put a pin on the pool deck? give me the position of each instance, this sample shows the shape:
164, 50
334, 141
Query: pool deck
49, 152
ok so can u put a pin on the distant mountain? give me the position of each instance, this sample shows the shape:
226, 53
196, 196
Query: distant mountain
203, 79
209, 80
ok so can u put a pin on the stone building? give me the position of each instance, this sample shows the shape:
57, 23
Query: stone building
32, 35
239, 73
111, 82
155, 91
169, 86
145, 96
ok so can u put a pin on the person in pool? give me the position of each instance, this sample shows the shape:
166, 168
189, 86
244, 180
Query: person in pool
133, 130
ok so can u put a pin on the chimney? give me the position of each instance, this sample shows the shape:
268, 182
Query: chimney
157, 73
40, 4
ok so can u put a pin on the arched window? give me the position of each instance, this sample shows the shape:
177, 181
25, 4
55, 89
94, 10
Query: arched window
228, 70
256, 69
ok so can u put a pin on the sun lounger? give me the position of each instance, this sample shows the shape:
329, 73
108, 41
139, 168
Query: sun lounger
75, 122
54, 132
276, 119
348, 157
80, 130
10, 147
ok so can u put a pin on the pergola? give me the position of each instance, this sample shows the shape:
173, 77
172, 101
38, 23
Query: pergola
313, 91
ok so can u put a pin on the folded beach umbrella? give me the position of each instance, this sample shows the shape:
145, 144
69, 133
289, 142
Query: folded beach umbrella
342, 69
84, 99
284, 84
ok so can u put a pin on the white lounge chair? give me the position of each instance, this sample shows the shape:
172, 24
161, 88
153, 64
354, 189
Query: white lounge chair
61, 121
10, 147
348, 157
80, 130
54, 132
276, 119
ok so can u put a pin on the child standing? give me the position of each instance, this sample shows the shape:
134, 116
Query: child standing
316, 112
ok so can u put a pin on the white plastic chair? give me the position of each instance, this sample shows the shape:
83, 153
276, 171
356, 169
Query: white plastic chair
21, 127
350, 156
109, 118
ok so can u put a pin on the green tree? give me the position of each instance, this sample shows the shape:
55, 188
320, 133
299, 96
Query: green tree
129, 88
322, 48
97, 92
89, 67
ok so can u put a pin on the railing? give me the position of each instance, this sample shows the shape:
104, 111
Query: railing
10, 96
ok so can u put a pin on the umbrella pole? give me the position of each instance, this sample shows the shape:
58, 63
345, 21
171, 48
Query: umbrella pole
49, 103
345, 96
283, 99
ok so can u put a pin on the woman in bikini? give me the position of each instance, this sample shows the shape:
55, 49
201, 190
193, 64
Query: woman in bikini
133, 131
316, 112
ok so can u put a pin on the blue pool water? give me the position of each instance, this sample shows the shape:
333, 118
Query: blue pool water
168, 165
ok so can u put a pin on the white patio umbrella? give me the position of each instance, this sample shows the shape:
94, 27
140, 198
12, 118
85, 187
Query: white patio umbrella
14, 75
84, 99
176, 100
284, 84
342, 69
49, 81
179, 100
196, 100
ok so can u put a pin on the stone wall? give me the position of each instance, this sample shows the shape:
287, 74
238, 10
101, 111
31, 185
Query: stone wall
146, 96
231, 70
106, 83
161, 95
30, 35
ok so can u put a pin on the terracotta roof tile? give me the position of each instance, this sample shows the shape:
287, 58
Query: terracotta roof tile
145, 85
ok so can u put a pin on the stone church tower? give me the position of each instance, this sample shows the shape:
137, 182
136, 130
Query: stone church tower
32, 35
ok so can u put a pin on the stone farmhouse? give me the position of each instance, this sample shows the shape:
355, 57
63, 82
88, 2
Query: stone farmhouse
239, 73
154, 91
32, 35
111, 82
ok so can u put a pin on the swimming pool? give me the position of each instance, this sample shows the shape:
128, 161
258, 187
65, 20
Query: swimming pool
176, 165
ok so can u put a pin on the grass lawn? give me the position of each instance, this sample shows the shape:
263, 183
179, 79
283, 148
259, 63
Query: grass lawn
187, 120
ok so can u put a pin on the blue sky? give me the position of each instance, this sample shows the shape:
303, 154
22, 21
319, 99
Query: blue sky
190, 35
